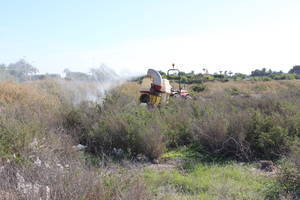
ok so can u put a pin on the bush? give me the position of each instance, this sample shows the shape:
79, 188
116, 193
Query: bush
261, 78
27, 112
233, 91
284, 76
199, 88
289, 175
119, 126
245, 127
267, 140
266, 124
134, 133
16, 137
177, 123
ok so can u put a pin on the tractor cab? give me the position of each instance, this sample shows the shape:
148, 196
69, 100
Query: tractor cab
177, 92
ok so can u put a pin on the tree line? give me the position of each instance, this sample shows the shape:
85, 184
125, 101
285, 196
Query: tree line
22, 70
256, 75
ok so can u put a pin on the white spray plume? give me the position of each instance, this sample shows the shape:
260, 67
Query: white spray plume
92, 86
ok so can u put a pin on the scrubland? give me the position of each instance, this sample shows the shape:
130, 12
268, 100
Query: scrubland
208, 147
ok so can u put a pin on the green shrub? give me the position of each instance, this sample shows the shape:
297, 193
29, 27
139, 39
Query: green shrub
267, 139
116, 125
233, 91
245, 127
289, 175
134, 131
16, 136
177, 120
199, 88
208, 78
283, 76
261, 78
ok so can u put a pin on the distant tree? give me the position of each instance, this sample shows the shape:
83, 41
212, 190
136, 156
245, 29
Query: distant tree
262, 72
184, 79
291, 71
295, 69
181, 73
270, 72
219, 76
239, 76
66, 71
21, 70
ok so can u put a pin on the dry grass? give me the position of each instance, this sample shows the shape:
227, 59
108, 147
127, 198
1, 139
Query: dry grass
38, 160
251, 87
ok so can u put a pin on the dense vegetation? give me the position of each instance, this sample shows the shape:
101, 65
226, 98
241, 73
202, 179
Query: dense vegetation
256, 75
208, 147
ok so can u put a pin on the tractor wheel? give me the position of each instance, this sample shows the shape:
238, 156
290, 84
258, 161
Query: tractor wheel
144, 98
176, 96
188, 97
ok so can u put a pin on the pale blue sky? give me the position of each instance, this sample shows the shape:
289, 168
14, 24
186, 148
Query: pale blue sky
133, 35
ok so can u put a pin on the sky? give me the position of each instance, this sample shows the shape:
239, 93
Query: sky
131, 36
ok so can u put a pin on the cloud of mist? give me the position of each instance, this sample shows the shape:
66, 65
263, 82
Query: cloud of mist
77, 86
99, 81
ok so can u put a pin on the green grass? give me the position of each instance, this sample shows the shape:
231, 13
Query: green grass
192, 154
184, 152
225, 181
203, 176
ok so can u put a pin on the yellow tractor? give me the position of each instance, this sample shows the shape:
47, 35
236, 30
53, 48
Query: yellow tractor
160, 89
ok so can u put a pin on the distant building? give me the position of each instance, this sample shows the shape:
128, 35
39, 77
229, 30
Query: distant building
296, 70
